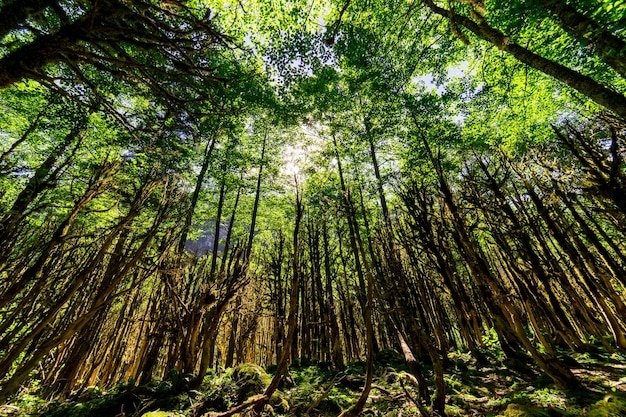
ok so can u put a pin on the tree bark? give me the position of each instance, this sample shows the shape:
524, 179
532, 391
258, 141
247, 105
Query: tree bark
283, 362
585, 85
607, 46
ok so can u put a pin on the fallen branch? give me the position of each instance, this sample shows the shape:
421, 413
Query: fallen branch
381, 389
325, 393
417, 401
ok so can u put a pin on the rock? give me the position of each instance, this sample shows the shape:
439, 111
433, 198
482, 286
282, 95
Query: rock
251, 380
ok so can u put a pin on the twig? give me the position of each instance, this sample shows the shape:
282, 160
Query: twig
325, 393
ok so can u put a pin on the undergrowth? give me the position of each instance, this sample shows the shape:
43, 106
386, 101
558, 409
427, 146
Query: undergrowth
497, 389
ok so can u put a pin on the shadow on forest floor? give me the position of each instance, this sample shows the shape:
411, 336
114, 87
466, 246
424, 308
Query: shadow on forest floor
519, 390
502, 388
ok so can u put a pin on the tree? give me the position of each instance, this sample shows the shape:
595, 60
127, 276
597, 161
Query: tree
138, 41
586, 85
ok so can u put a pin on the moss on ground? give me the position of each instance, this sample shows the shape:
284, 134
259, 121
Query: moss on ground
523, 410
612, 405
493, 389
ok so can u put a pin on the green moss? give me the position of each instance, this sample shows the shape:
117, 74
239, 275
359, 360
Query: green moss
452, 410
161, 414
523, 410
612, 405
250, 380
279, 402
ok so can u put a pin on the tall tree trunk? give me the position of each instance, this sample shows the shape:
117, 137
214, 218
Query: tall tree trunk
337, 351
585, 85
232, 337
283, 362
208, 151
597, 39
257, 197
367, 289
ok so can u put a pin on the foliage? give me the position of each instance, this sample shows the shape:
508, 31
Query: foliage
221, 390
479, 391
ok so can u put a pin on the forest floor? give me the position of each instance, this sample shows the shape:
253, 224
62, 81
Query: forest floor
504, 388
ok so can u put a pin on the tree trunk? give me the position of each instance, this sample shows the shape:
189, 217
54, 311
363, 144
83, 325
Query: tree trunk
283, 362
607, 46
208, 151
585, 85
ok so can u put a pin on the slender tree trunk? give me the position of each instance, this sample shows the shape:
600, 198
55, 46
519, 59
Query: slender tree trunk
257, 197
367, 289
337, 351
208, 151
232, 339
607, 46
283, 362
414, 369
585, 85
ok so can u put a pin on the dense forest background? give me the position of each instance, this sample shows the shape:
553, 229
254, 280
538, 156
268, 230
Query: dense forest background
190, 185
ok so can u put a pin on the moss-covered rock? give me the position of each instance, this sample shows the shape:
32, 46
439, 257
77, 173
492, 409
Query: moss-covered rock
612, 405
523, 410
279, 402
251, 379
161, 414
